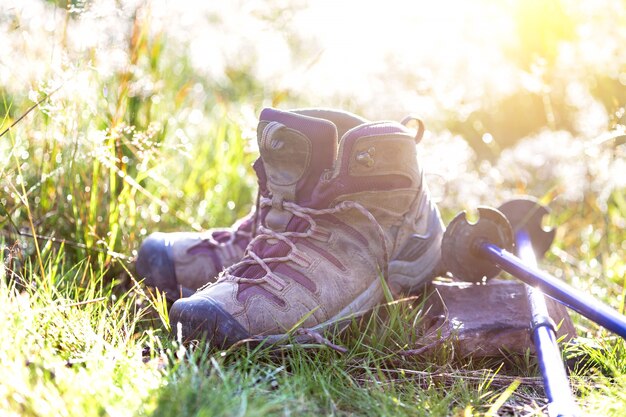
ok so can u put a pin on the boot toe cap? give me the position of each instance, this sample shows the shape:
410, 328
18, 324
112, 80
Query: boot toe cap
201, 318
154, 263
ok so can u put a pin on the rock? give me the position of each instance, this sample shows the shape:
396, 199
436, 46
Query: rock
486, 320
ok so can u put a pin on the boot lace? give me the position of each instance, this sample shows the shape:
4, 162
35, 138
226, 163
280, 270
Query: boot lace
294, 254
234, 233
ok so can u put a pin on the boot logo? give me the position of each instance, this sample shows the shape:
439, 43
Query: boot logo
366, 157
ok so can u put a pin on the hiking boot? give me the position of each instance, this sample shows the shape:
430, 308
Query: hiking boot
179, 263
335, 223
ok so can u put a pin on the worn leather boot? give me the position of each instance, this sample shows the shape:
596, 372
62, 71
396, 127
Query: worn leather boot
179, 263
335, 225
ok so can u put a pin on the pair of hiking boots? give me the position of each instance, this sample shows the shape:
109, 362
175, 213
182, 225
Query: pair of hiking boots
343, 210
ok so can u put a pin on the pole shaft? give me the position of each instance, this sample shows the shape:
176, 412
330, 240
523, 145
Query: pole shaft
560, 399
582, 303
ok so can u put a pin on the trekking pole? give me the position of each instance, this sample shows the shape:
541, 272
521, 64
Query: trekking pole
530, 241
474, 251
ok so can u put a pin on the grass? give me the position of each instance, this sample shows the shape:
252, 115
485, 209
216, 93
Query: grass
78, 349
107, 157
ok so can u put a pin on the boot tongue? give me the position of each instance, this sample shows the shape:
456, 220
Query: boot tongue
295, 150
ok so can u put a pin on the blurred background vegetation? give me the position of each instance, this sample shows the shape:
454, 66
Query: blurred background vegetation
144, 115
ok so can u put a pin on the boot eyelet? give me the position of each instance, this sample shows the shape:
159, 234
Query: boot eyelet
327, 175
